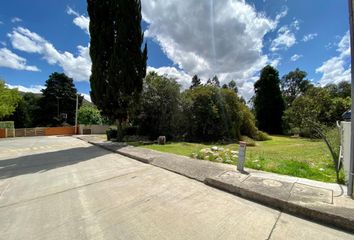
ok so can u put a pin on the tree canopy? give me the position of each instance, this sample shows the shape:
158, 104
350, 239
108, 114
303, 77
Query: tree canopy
316, 107
118, 61
9, 99
25, 115
268, 101
294, 84
89, 115
159, 111
58, 100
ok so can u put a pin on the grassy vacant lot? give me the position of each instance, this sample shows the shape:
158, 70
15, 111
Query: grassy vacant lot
297, 157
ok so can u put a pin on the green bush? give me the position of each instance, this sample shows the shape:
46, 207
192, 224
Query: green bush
262, 136
89, 115
7, 124
111, 133
249, 141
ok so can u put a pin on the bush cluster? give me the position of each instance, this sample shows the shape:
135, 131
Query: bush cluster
202, 113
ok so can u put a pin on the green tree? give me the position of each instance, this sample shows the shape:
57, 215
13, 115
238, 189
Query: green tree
89, 115
9, 99
25, 114
316, 107
195, 81
118, 62
211, 114
59, 97
268, 101
232, 85
294, 84
214, 81
342, 89
159, 113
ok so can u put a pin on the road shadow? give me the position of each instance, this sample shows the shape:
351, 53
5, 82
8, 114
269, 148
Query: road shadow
47, 161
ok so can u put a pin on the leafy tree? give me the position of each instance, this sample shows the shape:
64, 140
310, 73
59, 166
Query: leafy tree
195, 81
342, 89
232, 85
224, 86
316, 107
211, 114
159, 113
26, 111
59, 97
214, 81
294, 84
118, 62
89, 115
268, 101
9, 99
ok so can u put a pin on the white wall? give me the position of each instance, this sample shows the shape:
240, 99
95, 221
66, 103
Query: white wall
95, 129
345, 142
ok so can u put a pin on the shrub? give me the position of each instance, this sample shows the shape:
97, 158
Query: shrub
89, 115
216, 154
249, 141
111, 133
262, 136
7, 124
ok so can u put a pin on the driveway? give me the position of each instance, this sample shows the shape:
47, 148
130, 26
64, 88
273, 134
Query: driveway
63, 188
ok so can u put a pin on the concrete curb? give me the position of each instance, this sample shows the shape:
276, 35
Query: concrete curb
284, 205
129, 155
339, 217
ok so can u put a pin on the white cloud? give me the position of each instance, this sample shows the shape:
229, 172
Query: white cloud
181, 77
295, 57
16, 19
9, 59
296, 24
284, 40
81, 21
78, 67
337, 69
32, 88
233, 27
281, 14
309, 37
86, 96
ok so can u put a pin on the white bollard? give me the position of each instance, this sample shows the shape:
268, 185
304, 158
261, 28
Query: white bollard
241, 157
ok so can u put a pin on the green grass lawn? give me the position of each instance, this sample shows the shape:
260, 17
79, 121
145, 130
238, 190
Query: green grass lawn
297, 157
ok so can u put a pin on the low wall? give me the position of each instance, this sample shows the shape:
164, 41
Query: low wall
29, 132
2, 133
93, 129
59, 131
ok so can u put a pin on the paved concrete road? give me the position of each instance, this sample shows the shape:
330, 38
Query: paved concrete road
63, 188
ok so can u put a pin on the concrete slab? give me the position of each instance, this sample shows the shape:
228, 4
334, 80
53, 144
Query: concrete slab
309, 194
267, 188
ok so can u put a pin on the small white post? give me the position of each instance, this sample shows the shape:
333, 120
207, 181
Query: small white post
77, 109
241, 157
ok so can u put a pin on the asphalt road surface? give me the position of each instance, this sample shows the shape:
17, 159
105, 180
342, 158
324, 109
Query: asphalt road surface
63, 188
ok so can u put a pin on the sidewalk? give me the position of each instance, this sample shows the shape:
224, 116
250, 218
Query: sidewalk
326, 203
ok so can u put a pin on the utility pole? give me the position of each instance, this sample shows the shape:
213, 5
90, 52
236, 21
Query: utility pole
76, 112
351, 168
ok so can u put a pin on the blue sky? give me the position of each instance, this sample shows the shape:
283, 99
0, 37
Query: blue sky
233, 39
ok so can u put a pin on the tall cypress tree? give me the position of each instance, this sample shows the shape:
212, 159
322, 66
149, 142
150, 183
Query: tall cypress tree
118, 61
268, 101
